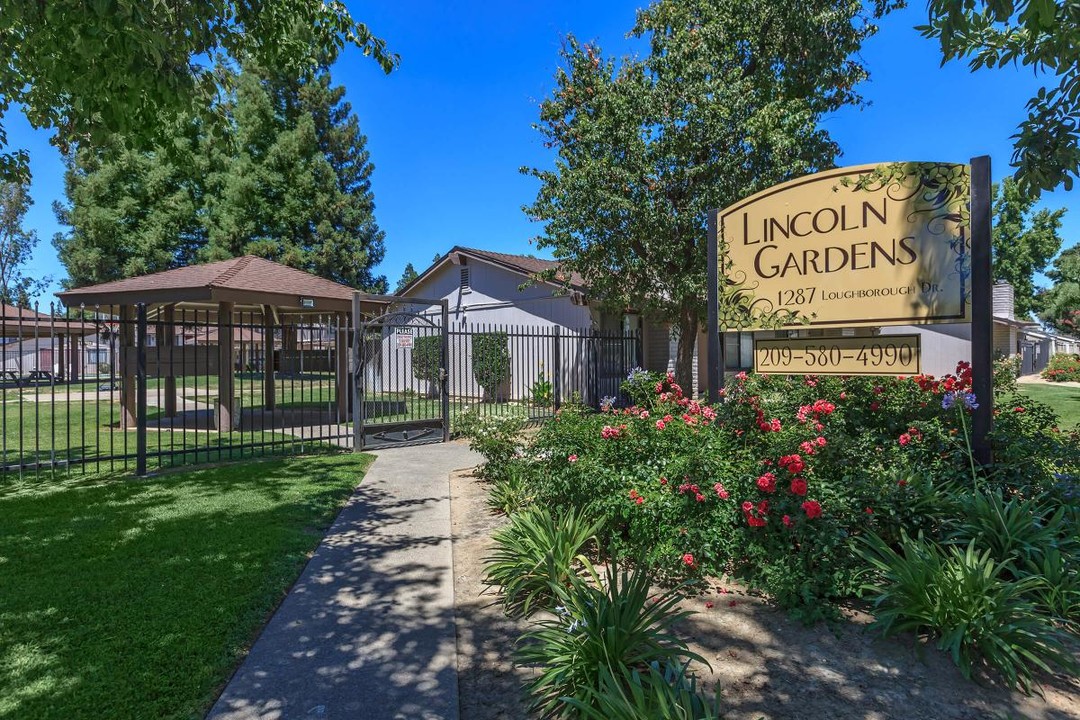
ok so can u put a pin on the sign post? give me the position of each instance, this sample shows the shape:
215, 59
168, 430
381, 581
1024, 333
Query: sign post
982, 312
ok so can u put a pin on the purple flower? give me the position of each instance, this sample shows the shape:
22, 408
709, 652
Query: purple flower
967, 400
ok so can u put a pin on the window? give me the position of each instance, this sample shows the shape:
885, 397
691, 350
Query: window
738, 350
464, 280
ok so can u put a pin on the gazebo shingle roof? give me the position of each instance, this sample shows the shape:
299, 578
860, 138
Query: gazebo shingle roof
245, 280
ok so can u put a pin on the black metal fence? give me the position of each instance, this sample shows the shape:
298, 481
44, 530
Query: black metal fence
542, 368
112, 389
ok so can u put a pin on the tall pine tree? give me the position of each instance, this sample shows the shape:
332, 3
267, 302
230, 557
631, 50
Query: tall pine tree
290, 181
131, 213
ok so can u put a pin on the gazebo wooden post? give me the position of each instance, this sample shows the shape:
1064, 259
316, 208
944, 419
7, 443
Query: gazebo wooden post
341, 375
128, 402
226, 358
269, 399
166, 348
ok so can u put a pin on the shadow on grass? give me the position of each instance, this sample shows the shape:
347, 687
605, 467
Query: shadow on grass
127, 597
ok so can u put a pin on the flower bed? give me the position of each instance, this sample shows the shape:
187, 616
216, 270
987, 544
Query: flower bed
813, 489
775, 484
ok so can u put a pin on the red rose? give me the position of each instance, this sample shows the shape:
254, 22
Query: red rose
812, 508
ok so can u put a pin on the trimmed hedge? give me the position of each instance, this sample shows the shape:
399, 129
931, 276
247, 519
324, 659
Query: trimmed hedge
491, 363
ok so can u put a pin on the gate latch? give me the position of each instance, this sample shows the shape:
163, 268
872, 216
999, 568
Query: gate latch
442, 375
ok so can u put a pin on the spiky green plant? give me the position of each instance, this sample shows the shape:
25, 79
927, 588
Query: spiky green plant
963, 596
1058, 595
509, 492
1012, 530
632, 694
617, 624
536, 552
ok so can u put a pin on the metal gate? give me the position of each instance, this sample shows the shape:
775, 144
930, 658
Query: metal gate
400, 376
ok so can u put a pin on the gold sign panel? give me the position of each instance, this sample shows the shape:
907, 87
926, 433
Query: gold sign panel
864, 245
880, 355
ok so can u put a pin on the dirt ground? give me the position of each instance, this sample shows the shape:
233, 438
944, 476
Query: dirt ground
764, 664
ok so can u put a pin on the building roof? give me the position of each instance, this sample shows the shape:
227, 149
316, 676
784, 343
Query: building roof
23, 322
246, 280
522, 264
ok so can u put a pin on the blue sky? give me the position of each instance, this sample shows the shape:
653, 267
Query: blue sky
448, 131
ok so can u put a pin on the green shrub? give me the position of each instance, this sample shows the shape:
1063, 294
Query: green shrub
509, 491
617, 626
670, 477
1012, 531
542, 392
1006, 370
497, 439
1063, 367
964, 597
640, 387
491, 364
1058, 593
632, 694
535, 553
427, 361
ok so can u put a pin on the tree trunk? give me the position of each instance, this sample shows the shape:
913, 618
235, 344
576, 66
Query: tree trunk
684, 357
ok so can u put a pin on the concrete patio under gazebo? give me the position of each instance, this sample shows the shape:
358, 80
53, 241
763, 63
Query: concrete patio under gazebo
284, 299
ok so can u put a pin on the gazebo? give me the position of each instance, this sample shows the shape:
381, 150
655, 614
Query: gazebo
24, 324
283, 297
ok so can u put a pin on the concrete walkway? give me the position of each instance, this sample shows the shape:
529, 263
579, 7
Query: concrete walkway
367, 632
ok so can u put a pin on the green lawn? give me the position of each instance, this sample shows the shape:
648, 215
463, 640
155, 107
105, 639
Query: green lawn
85, 432
1064, 399
136, 598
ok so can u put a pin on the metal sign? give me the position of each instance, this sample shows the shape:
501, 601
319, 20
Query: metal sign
404, 341
863, 245
880, 355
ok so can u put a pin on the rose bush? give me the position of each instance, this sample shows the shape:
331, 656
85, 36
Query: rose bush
774, 484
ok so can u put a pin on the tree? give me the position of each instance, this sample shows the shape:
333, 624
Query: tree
132, 212
16, 246
1023, 243
90, 71
407, 276
1043, 34
289, 181
297, 184
1061, 303
727, 103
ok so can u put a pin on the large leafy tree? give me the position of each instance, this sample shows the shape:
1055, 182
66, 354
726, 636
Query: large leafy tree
727, 102
16, 246
92, 70
1061, 303
1042, 34
1023, 242
287, 178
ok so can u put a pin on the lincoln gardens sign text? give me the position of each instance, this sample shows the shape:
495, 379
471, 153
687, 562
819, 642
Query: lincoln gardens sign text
865, 245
